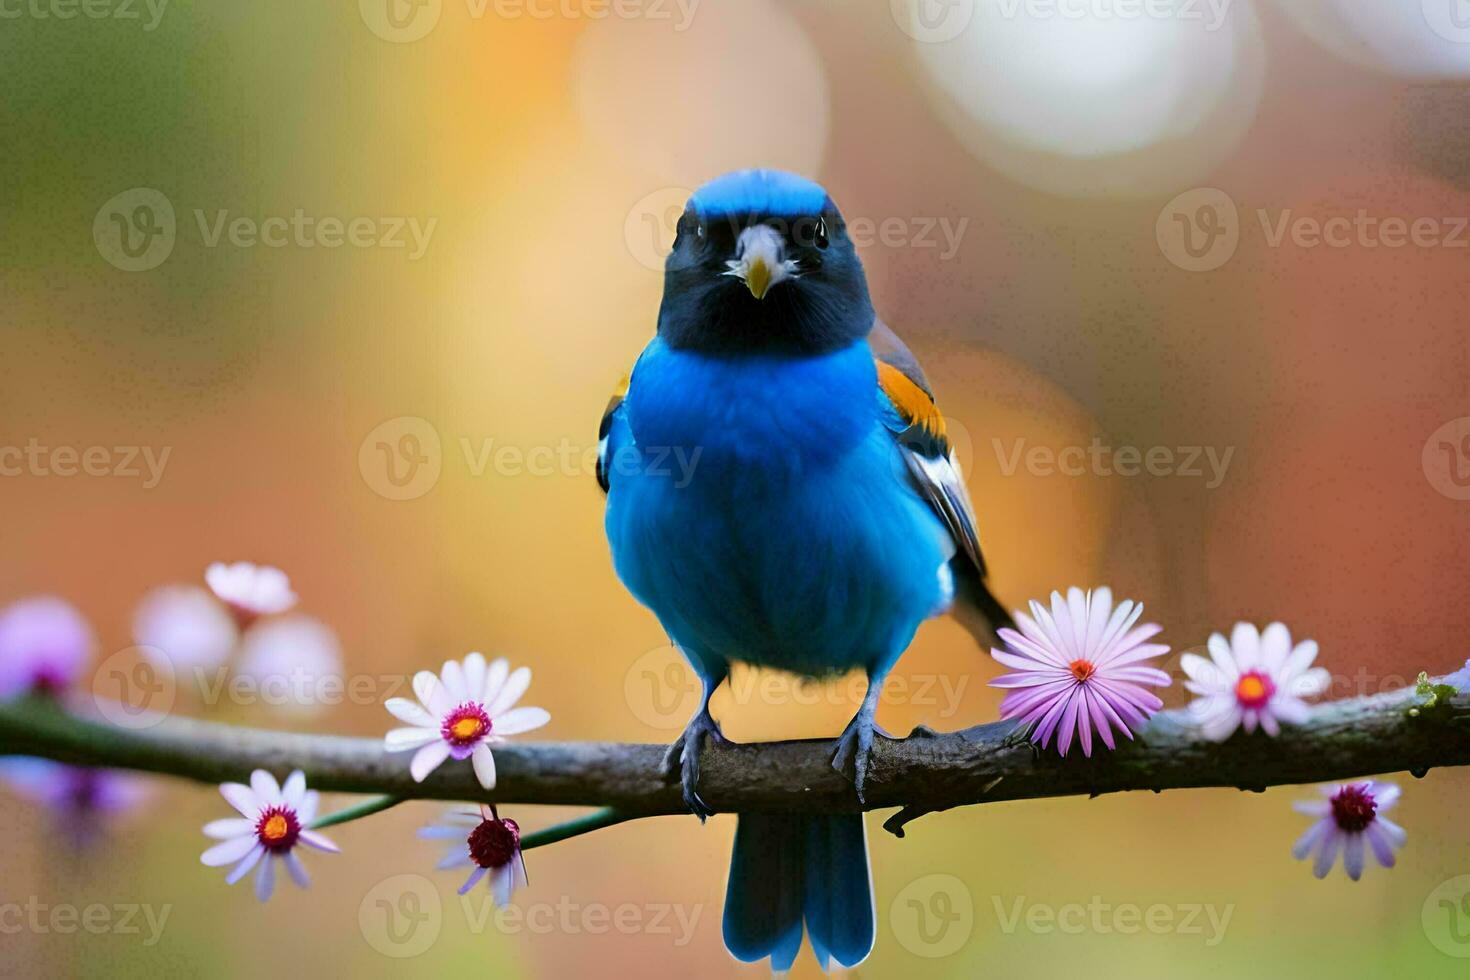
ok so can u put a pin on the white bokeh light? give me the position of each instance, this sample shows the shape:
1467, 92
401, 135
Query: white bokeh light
1427, 39
741, 87
1101, 97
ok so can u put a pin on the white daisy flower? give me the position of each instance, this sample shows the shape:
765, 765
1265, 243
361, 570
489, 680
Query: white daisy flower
250, 590
489, 843
461, 713
273, 820
1257, 678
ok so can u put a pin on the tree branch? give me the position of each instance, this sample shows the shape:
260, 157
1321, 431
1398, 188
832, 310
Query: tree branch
924, 773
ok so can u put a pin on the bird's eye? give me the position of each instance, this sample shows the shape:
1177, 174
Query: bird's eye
701, 232
821, 236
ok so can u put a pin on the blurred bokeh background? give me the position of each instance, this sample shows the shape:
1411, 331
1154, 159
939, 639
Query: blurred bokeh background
1189, 277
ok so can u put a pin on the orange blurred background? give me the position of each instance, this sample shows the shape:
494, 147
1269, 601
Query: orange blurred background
1030, 182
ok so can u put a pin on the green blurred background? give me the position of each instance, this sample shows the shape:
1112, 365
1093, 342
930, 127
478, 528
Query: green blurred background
546, 149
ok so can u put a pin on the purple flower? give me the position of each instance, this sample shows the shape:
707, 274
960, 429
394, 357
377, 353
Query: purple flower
273, 820
1351, 823
81, 798
45, 644
1079, 669
486, 841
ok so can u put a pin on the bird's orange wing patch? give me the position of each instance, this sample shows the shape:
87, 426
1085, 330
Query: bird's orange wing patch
913, 404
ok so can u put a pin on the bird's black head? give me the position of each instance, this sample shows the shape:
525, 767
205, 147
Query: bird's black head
763, 264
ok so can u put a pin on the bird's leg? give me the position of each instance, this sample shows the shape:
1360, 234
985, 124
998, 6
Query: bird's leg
681, 761
856, 743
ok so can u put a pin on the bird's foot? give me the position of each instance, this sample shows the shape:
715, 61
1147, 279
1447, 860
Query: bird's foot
854, 749
681, 761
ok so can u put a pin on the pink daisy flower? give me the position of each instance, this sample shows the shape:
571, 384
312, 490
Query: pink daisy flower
45, 644
1079, 669
1257, 678
250, 590
460, 713
489, 843
1351, 822
273, 820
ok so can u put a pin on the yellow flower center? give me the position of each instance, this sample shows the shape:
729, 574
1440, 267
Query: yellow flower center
467, 728
1250, 688
275, 828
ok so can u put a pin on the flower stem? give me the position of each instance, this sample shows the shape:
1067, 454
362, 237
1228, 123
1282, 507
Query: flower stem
357, 811
596, 820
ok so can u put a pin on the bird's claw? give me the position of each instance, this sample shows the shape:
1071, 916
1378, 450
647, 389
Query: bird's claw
854, 750
681, 761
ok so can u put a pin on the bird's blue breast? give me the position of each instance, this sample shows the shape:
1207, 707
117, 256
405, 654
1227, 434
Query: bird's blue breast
759, 506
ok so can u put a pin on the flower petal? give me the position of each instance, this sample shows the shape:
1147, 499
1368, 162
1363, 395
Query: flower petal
319, 842
518, 720
453, 677
427, 759
410, 713
1352, 855
227, 827
265, 879
509, 693
473, 880
294, 789
474, 677
267, 790
403, 739
1275, 647
1327, 854
495, 676
228, 852
296, 870
243, 868
431, 693
484, 764
242, 798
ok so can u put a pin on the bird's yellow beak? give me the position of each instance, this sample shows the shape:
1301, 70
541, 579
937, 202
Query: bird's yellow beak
759, 261
758, 277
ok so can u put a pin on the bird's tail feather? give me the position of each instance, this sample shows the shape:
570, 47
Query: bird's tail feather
789, 868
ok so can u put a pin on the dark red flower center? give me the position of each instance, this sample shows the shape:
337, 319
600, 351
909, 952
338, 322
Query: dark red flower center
1354, 808
1254, 689
495, 842
1082, 669
278, 828
466, 724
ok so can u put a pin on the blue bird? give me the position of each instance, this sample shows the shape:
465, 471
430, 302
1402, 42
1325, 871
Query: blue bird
781, 493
